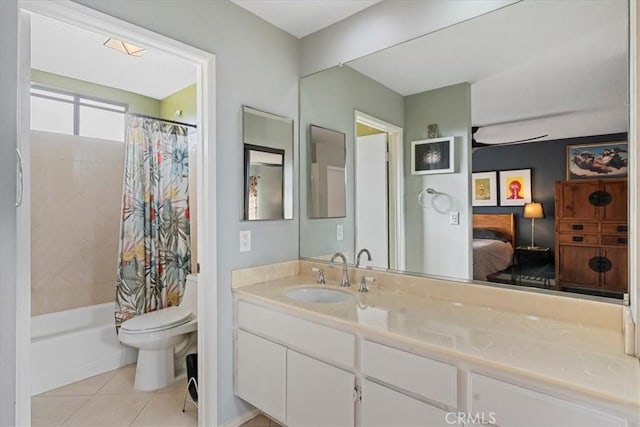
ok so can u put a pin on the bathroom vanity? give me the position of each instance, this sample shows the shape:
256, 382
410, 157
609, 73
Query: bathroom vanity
391, 357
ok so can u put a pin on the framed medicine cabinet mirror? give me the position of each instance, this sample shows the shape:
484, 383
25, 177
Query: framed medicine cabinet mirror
268, 165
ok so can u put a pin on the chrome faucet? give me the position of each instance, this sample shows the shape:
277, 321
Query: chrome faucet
320, 272
363, 251
345, 277
363, 283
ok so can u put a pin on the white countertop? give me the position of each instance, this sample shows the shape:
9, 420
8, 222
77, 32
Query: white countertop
586, 359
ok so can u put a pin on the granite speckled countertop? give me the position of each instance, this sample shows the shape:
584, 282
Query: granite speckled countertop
585, 359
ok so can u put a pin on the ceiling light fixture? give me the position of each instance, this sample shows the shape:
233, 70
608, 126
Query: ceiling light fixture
124, 47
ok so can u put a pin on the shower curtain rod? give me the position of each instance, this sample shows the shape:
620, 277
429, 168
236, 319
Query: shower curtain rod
163, 120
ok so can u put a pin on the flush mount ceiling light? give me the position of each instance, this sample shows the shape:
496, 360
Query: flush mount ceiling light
124, 47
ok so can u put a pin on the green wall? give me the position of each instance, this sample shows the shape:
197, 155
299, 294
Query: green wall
185, 100
137, 103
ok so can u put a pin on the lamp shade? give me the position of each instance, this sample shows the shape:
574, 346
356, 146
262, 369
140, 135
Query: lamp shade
533, 210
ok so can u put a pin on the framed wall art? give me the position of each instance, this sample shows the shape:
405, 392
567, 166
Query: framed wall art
431, 156
515, 187
485, 189
595, 161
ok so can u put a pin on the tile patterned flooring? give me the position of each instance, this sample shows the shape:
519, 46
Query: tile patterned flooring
109, 399
260, 421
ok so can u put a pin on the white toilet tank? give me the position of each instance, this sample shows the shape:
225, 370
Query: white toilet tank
190, 296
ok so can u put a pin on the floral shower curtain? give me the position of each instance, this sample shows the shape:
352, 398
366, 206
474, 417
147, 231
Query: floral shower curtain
154, 251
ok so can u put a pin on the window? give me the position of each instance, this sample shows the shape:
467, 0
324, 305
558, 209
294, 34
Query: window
60, 112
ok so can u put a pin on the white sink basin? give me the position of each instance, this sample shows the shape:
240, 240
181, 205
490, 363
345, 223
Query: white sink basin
317, 294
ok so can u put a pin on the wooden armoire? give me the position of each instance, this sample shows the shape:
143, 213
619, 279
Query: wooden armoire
591, 234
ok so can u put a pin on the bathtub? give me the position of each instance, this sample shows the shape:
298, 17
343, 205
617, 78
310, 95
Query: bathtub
72, 345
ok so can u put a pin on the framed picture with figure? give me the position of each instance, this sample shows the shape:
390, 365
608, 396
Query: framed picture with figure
595, 161
484, 187
515, 187
431, 156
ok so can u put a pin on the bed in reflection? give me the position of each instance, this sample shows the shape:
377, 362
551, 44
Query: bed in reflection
493, 244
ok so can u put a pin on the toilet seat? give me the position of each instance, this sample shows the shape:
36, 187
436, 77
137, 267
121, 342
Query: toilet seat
158, 320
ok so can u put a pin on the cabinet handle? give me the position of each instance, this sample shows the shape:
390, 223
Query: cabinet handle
622, 228
20, 183
577, 226
622, 240
577, 238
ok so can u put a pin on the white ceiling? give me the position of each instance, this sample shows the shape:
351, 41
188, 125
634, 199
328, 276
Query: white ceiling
303, 17
73, 52
525, 62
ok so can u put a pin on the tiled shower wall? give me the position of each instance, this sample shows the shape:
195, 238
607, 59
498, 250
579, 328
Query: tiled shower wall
75, 220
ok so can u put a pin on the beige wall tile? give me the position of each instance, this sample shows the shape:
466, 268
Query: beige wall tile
263, 273
76, 198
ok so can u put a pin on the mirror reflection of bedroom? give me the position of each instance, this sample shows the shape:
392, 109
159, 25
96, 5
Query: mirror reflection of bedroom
549, 183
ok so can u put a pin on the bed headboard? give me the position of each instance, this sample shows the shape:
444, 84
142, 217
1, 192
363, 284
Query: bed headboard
503, 223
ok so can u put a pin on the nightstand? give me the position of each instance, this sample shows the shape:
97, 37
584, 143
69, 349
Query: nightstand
533, 264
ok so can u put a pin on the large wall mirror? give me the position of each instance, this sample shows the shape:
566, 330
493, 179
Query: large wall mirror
268, 165
536, 96
327, 186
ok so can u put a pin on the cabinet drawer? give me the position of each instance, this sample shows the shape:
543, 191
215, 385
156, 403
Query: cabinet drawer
316, 340
614, 240
578, 226
384, 407
512, 405
611, 228
578, 239
431, 379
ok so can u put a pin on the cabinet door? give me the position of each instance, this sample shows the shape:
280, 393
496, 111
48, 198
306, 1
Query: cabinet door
511, 405
573, 266
616, 279
616, 210
318, 394
261, 374
572, 200
382, 406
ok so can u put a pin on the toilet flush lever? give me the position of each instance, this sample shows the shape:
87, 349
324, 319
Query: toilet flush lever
320, 272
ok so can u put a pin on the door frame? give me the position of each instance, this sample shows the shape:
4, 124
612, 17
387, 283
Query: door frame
89, 19
395, 184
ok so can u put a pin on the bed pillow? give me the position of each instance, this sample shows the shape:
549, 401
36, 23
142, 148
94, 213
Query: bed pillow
484, 233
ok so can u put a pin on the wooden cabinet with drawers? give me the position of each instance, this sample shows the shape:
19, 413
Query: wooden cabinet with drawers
591, 234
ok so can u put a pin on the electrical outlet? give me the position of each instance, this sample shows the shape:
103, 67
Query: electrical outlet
454, 218
245, 240
339, 232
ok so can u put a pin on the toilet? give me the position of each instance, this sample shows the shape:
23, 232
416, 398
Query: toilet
160, 336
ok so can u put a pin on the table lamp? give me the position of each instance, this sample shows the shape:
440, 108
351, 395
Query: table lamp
533, 210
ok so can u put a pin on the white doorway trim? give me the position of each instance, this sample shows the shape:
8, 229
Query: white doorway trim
634, 171
87, 18
396, 186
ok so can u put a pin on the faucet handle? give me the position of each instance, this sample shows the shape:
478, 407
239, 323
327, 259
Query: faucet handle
363, 283
320, 272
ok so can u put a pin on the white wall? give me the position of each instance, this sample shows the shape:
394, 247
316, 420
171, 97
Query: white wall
384, 25
258, 65
8, 261
432, 244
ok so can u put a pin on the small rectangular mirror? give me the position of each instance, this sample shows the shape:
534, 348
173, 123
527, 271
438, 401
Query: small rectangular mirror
268, 165
328, 187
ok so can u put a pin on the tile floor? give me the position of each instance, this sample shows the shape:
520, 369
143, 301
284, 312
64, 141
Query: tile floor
260, 421
110, 400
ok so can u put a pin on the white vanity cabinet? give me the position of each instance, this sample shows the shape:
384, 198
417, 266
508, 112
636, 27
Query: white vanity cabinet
384, 407
512, 405
261, 373
296, 371
318, 394
410, 375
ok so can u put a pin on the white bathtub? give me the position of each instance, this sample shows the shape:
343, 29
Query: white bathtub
72, 345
